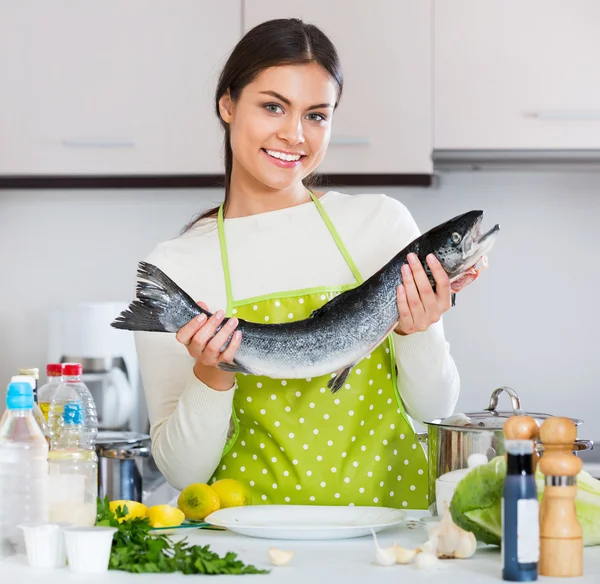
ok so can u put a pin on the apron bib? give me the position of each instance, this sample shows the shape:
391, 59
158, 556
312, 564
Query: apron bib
294, 442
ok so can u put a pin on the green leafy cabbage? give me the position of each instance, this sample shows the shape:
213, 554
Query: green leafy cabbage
477, 502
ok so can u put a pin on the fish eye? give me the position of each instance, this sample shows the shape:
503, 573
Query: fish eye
456, 237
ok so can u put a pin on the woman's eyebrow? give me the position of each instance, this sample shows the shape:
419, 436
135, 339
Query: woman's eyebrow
288, 102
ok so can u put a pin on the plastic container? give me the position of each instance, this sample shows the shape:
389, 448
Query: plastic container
72, 388
37, 412
46, 392
73, 472
45, 545
88, 548
23, 469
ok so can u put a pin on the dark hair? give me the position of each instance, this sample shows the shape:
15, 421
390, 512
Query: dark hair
270, 44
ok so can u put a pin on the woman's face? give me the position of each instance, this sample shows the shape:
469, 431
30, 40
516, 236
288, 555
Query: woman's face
281, 124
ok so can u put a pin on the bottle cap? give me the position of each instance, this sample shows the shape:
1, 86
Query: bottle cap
54, 369
72, 413
24, 379
19, 396
72, 369
33, 371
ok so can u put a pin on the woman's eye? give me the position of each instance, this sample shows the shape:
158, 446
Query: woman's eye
317, 117
273, 108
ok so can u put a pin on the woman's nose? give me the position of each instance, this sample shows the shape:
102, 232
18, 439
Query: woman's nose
292, 131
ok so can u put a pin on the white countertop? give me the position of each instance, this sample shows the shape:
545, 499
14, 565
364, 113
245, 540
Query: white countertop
348, 561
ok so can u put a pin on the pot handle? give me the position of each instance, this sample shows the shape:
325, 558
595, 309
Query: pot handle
514, 399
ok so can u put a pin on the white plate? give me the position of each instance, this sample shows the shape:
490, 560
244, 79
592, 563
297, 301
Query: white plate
305, 521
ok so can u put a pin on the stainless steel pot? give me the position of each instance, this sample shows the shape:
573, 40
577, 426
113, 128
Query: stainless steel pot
120, 456
450, 442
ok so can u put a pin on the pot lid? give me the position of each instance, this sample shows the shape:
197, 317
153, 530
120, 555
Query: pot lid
490, 418
108, 437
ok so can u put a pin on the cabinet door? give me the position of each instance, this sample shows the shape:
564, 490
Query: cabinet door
514, 74
383, 122
112, 87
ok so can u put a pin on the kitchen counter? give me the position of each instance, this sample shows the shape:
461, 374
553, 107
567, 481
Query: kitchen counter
346, 561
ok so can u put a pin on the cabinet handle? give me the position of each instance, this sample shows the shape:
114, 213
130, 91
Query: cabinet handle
342, 141
97, 143
567, 115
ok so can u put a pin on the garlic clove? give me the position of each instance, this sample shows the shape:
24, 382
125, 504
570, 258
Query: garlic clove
384, 557
404, 555
466, 547
427, 561
279, 557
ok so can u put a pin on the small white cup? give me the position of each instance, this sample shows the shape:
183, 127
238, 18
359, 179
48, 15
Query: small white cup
45, 544
88, 548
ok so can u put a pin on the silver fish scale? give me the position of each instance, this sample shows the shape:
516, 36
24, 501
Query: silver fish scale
350, 327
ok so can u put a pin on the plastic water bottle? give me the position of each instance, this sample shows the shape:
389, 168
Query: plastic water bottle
46, 392
73, 472
36, 411
23, 469
72, 388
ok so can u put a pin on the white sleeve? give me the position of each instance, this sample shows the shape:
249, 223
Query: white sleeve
189, 422
428, 378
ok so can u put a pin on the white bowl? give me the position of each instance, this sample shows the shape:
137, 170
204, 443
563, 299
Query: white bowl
45, 544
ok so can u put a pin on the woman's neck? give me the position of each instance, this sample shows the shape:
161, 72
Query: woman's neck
249, 197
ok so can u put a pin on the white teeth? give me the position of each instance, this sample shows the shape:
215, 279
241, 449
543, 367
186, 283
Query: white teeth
282, 156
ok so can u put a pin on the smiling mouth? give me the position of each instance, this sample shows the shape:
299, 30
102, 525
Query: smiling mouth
283, 156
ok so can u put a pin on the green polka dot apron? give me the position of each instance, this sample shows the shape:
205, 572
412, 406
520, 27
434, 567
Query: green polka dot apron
295, 442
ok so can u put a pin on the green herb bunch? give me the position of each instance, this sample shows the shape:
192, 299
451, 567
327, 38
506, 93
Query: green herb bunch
135, 550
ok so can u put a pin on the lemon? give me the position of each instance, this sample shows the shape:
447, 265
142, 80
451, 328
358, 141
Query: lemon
197, 501
165, 516
134, 509
232, 493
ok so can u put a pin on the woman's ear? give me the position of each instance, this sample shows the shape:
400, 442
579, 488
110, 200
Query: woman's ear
226, 107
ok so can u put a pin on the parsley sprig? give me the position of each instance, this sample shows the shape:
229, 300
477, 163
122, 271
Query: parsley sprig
135, 550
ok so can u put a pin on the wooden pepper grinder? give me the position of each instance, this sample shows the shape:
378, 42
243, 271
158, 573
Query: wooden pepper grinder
561, 537
522, 428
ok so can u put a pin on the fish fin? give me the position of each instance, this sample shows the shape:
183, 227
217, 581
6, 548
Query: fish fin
234, 367
453, 299
335, 383
160, 304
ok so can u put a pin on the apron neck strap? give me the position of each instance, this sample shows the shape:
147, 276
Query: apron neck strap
225, 260
337, 238
326, 220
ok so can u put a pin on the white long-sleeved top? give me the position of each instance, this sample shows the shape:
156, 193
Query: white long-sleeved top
288, 249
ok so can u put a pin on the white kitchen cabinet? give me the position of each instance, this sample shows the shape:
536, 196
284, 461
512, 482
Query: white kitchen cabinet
111, 87
514, 74
383, 123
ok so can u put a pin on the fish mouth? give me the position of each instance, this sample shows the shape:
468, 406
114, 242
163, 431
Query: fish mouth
475, 247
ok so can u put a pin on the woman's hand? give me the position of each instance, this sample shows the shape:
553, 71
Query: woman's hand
197, 337
418, 305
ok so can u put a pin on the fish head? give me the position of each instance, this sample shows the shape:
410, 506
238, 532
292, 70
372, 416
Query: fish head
459, 244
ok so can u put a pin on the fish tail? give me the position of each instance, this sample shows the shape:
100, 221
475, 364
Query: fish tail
160, 306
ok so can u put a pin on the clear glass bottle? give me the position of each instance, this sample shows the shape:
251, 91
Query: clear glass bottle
73, 471
72, 388
46, 392
23, 469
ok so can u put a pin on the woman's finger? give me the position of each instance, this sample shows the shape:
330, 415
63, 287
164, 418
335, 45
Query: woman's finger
203, 336
405, 321
187, 331
417, 310
426, 293
442, 282
228, 355
213, 347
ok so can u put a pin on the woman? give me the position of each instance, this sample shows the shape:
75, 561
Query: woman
279, 251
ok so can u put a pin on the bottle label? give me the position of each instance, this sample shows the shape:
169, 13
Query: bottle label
45, 407
528, 531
